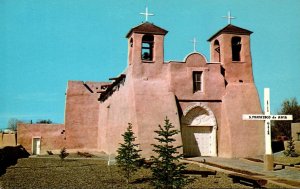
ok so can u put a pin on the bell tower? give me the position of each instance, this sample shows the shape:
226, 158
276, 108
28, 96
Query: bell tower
231, 47
146, 44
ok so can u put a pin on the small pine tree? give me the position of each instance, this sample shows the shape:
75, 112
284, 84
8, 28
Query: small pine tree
167, 172
128, 154
291, 149
63, 153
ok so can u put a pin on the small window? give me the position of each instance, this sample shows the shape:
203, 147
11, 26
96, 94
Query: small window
236, 48
197, 81
298, 135
147, 47
217, 55
131, 42
130, 50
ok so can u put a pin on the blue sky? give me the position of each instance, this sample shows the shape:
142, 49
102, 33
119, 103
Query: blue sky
45, 43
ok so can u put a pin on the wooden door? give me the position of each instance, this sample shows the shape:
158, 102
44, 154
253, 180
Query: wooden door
36, 146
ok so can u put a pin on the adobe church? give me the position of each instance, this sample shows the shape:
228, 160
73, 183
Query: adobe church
203, 99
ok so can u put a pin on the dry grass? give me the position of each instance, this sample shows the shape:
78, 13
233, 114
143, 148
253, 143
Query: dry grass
287, 160
91, 173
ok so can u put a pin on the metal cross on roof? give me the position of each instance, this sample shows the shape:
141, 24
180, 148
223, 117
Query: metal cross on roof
229, 17
146, 13
194, 41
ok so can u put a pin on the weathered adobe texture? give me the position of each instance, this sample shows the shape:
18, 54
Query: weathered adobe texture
295, 129
82, 115
98, 113
52, 136
8, 139
155, 89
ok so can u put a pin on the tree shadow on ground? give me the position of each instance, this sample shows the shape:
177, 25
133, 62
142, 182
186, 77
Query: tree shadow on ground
141, 180
202, 173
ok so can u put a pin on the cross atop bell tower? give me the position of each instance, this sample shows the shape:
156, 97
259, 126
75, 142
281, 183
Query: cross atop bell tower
229, 17
147, 14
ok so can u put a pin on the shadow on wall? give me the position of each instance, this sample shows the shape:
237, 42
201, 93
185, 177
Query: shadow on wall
9, 155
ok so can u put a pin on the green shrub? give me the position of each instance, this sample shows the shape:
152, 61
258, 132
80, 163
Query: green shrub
63, 153
290, 149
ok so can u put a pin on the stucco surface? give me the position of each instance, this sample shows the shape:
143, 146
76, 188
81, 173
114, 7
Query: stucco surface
295, 130
8, 139
81, 114
237, 137
52, 136
150, 90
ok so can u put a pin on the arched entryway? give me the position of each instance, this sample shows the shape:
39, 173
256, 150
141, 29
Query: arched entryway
199, 131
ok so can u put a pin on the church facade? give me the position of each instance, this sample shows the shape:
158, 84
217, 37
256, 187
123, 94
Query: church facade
203, 99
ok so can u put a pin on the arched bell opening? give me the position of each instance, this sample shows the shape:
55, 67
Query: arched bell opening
236, 47
147, 47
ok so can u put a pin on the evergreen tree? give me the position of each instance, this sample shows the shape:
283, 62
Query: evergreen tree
167, 172
128, 154
290, 149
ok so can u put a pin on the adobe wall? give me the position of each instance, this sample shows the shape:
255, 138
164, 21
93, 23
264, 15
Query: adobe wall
238, 138
154, 101
8, 139
295, 134
114, 115
145, 101
52, 136
181, 79
181, 82
152, 98
295, 129
82, 114
151, 109
235, 71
